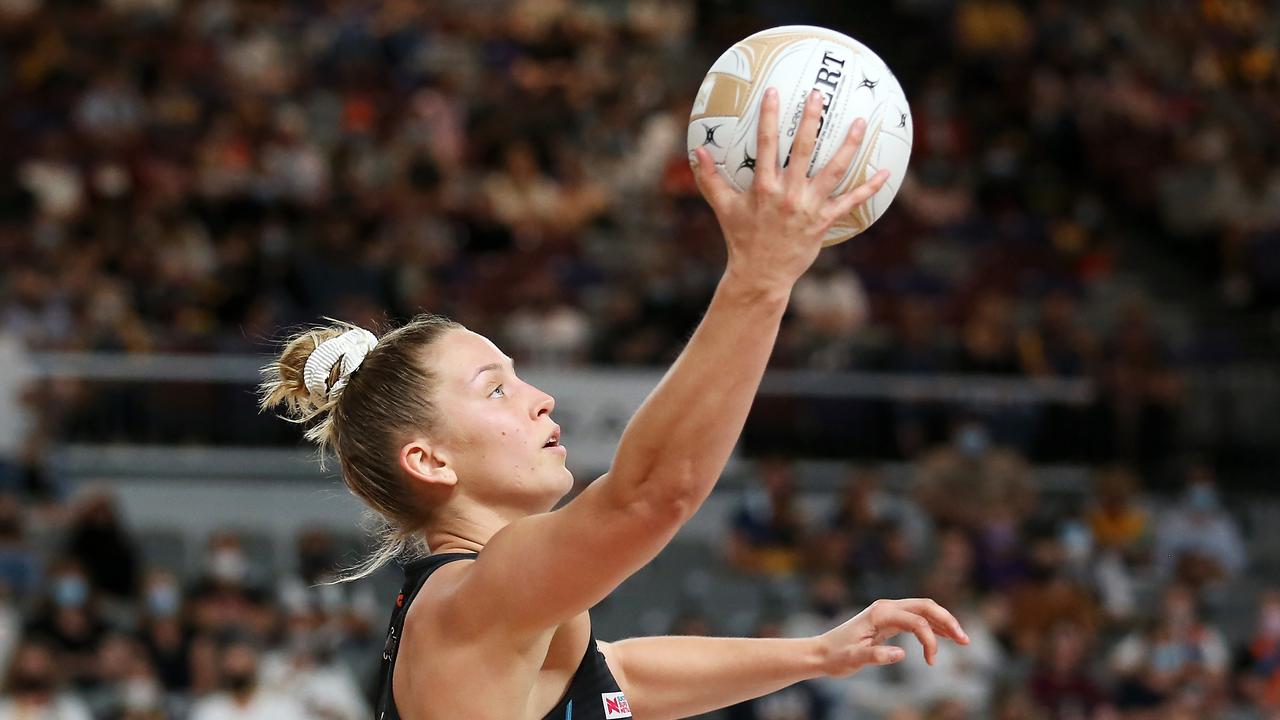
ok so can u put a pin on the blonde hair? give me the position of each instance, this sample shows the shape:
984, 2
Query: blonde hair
361, 422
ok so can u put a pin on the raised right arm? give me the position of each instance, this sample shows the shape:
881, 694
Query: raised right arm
676, 445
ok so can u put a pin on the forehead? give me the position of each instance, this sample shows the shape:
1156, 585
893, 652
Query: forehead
461, 352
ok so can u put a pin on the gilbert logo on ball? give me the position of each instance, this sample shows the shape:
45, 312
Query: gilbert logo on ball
797, 59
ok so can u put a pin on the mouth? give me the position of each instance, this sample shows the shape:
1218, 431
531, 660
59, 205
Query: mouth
554, 440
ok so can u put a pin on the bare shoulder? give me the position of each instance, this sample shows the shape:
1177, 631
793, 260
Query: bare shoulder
442, 614
443, 648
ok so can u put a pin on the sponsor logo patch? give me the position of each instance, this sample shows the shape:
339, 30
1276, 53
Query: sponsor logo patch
615, 705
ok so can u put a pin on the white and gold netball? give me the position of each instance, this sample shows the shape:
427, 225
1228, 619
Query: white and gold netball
797, 59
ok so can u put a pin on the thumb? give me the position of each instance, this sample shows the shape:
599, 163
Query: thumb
881, 655
712, 184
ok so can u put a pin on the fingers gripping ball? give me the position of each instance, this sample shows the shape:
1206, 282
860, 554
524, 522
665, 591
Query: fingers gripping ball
797, 59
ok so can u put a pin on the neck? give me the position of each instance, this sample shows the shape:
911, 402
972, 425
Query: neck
466, 529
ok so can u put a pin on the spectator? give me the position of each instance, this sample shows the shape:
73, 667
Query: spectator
19, 565
350, 612
227, 597
830, 306
1198, 541
1141, 391
164, 631
1016, 704
876, 537
68, 617
1120, 532
126, 686
1061, 683
1261, 656
34, 687
864, 503
521, 196
829, 606
768, 531
988, 344
103, 547
1059, 345
306, 669
545, 329
963, 482
1047, 597
242, 696
1177, 660
1116, 521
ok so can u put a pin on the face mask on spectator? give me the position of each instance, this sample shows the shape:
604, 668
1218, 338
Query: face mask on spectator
973, 440
141, 694
163, 600
238, 681
228, 565
1202, 498
70, 591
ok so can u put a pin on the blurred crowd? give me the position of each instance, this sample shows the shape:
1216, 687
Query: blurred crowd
194, 175
91, 629
1102, 603
1112, 603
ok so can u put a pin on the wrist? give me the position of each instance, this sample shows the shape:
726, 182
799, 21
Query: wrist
817, 653
754, 288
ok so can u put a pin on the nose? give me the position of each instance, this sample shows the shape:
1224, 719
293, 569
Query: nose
544, 406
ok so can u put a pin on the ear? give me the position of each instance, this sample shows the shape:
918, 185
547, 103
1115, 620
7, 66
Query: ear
428, 463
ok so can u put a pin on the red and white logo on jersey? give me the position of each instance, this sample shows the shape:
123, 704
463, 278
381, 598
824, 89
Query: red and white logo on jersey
615, 705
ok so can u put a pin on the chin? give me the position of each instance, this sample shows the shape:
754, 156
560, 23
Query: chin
564, 486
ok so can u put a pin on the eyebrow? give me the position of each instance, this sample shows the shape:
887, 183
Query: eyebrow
491, 366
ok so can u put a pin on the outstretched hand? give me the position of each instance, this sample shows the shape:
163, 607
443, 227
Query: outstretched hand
775, 229
861, 641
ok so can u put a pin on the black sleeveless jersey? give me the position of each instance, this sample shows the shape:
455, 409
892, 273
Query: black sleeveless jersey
593, 692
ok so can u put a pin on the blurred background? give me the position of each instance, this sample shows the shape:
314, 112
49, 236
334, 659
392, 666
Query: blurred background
1043, 389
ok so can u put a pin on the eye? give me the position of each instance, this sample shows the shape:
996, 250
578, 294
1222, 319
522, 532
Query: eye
498, 392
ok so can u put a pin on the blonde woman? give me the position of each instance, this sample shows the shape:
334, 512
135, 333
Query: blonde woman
461, 459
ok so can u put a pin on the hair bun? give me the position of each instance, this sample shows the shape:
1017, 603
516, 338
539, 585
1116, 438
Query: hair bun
330, 365
284, 381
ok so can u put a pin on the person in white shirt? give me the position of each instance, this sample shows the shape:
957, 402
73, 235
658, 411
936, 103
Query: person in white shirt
243, 697
1198, 540
307, 670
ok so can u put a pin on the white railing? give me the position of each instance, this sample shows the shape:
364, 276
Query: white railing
594, 404
245, 369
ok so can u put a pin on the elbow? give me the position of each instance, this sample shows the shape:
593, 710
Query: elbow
678, 505
670, 502
664, 494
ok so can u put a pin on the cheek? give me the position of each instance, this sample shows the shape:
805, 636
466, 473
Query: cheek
487, 436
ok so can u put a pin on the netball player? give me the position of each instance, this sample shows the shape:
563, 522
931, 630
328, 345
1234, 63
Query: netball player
461, 460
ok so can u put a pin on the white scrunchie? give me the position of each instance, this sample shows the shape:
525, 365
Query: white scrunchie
349, 348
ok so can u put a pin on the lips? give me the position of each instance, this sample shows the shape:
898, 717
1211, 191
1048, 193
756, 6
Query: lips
554, 440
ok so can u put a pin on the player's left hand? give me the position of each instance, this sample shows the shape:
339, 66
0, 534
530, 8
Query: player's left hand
861, 641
